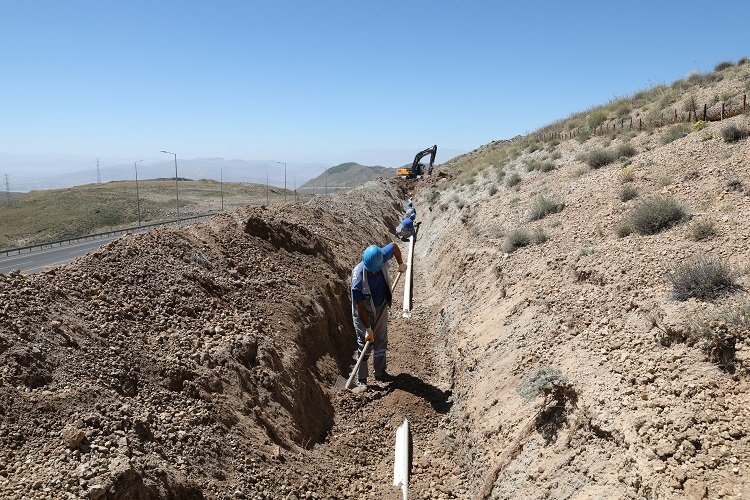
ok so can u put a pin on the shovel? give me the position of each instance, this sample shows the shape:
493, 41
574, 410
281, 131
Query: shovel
341, 382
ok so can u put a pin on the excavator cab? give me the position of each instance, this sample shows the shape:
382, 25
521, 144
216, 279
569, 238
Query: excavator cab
417, 169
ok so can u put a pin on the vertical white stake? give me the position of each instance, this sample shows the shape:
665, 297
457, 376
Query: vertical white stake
401, 463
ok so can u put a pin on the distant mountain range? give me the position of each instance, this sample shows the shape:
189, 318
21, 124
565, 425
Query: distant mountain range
344, 177
27, 173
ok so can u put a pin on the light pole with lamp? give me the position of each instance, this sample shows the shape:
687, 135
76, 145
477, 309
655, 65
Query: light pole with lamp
284, 178
176, 186
137, 196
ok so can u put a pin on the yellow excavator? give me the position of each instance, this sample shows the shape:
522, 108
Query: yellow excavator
418, 169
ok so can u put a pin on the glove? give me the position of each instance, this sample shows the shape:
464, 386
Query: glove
369, 335
402, 267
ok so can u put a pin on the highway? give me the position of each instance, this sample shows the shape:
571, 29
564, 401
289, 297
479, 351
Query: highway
36, 261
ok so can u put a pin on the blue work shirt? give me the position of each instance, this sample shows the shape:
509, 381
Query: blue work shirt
376, 281
408, 223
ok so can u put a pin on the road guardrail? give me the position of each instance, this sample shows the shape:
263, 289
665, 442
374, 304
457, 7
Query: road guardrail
89, 237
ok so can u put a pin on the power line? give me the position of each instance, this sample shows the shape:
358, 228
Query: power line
98, 173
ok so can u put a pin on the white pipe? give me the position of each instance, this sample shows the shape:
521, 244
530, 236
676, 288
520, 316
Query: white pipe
407, 282
401, 461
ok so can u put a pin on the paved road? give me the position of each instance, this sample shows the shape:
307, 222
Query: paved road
34, 262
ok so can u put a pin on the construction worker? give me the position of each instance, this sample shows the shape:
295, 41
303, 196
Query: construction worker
410, 211
371, 297
405, 229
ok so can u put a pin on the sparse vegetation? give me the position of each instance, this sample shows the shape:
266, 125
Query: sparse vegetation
538, 236
625, 150
559, 396
543, 206
676, 131
702, 230
723, 65
432, 196
718, 335
657, 214
512, 180
733, 133
628, 192
703, 277
600, 157
516, 239
623, 229
492, 190
627, 174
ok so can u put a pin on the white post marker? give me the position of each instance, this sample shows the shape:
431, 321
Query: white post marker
407, 282
401, 463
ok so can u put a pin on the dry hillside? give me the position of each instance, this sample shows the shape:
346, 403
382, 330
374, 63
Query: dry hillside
580, 330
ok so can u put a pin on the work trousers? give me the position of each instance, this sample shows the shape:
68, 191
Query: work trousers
379, 347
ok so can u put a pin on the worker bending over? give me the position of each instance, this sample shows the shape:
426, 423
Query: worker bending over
371, 296
410, 211
405, 229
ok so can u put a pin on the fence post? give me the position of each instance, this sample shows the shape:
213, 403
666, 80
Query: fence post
631, 123
722, 112
675, 116
705, 110
744, 102
640, 124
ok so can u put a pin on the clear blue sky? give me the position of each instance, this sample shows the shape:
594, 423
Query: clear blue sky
315, 80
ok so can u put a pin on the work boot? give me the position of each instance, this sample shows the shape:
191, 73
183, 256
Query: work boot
385, 377
360, 386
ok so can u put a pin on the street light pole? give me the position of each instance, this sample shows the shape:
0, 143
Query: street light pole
221, 186
176, 185
137, 196
284, 178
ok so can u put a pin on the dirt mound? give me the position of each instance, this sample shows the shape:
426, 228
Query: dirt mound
180, 363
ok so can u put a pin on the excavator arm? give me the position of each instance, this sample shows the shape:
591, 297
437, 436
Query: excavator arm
416, 167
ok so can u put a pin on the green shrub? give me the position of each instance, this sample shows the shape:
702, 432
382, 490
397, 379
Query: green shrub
492, 190
657, 214
623, 229
704, 277
432, 196
628, 192
600, 157
512, 180
742, 61
676, 131
723, 65
538, 236
516, 239
703, 78
625, 150
702, 230
542, 207
733, 133
556, 155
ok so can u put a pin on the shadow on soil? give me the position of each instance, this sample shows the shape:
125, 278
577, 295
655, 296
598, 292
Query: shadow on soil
439, 399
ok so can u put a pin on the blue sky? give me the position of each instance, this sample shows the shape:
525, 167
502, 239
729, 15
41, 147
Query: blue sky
330, 81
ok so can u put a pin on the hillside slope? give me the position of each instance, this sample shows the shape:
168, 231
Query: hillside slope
345, 176
541, 261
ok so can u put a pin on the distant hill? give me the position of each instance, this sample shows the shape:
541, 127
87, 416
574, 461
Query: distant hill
345, 176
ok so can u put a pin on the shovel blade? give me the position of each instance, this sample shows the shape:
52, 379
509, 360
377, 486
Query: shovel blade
340, 383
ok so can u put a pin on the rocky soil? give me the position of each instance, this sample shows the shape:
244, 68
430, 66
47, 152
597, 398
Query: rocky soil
654, 416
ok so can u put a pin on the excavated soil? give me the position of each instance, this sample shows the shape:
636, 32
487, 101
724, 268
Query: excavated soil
200, 363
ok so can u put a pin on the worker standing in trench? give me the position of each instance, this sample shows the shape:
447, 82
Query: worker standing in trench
371, 296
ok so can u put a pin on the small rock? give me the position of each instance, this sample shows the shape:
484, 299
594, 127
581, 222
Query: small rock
695, 489
96, 491
72, 436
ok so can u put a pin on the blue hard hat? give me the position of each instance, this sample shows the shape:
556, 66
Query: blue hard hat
372, 257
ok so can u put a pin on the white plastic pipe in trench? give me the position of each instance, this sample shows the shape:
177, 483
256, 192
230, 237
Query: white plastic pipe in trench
407, 281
